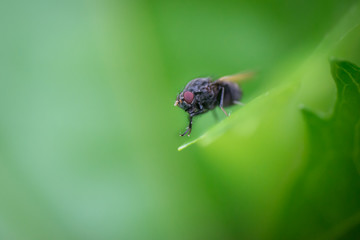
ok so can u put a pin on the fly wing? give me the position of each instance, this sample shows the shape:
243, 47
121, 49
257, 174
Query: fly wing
238, 78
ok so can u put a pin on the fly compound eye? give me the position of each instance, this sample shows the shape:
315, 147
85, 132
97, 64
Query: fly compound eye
188, 97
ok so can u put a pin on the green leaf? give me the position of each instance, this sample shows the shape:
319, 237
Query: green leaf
325, 198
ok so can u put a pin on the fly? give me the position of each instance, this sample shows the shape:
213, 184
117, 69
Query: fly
203, 94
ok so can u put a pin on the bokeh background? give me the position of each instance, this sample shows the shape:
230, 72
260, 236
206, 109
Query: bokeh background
89, 133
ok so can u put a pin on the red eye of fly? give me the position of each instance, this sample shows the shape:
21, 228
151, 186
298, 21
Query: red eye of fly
188, 97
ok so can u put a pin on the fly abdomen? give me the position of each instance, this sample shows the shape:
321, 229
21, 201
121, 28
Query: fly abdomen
232, 93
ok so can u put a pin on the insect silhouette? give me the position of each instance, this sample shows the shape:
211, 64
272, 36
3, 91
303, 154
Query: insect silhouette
203, 94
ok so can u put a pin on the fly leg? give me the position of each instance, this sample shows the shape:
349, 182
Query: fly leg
188, 130
221, 101
191, 115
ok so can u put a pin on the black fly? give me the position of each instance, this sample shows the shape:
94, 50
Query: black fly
202, 94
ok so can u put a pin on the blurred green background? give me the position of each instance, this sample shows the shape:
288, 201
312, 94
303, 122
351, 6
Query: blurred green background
89, 133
